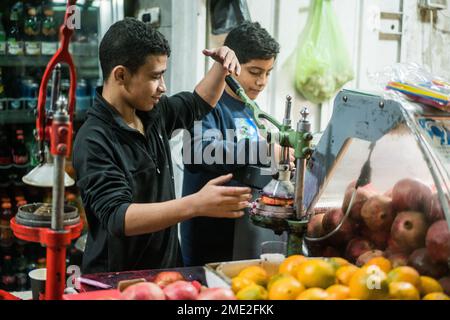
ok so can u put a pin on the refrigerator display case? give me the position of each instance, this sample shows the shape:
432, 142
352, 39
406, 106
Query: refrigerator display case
28, 39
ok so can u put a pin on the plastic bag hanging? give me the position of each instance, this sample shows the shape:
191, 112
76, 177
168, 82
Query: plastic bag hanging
323, 65
227, 14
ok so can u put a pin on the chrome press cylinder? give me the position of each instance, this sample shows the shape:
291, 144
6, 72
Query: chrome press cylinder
303, 128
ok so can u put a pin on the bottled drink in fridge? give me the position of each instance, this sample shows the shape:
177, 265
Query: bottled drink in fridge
6, 234
20, 268
5, 149
49, 32
14, 37
3, 102
2, 36
8, 280
31, 31
20, 152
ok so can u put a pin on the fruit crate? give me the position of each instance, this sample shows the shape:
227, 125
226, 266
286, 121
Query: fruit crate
230, 269
111, 279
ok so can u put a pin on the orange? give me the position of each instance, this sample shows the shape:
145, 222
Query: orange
369, 283
338, 292
429, 285
275, 278
338, 262
238, 283
291, 263
404, 274
285, 288
345, 273
436, 296
403, 291
316, 273
252, 292
255, 273
313, 294
382, 262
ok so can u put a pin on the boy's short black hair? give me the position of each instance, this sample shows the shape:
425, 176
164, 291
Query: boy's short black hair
250, 41
128, 42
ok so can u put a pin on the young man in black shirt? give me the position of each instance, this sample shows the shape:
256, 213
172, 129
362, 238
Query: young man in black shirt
122, 155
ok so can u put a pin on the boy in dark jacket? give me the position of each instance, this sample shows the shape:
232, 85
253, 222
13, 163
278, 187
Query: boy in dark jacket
122, 156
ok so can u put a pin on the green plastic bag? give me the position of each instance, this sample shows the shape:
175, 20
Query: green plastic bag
323, 65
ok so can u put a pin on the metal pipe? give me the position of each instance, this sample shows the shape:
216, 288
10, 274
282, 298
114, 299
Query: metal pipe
300, 165
287, 111
56, 84
60, 117
303, 127
58, 193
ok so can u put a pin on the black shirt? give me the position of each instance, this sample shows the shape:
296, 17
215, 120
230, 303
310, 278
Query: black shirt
117, 166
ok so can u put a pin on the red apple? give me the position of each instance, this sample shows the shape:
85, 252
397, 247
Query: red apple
181, 290
409, 230
362, 194
315, 229
411, 195
377, 213
438, 242
421, 261
143, 291
366, 256
331, 220
357, 247
436, 213
216, 294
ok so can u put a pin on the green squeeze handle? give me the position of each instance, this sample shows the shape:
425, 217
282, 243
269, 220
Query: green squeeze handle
233, 84
258, 114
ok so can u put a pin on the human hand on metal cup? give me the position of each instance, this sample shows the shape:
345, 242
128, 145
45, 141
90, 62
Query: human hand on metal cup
278, 156
216, 200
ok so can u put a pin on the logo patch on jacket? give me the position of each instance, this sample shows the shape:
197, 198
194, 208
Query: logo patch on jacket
245, 129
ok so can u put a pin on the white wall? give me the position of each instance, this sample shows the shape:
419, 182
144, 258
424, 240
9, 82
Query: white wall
369, 52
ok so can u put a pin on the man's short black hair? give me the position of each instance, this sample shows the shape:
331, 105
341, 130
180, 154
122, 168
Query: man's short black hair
128, 42
250, 41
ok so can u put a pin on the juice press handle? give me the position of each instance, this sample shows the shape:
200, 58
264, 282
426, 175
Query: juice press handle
233, 84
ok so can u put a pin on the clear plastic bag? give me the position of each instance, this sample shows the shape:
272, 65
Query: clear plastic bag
323, 65
414, 82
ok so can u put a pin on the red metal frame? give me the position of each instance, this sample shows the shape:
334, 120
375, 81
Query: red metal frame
61, 56
56, 243
60, 137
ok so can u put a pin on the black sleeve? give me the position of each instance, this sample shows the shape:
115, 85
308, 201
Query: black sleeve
181, 110
104, 189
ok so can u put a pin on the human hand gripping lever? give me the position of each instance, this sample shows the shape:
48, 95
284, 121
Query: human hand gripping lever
211, 87
226, 58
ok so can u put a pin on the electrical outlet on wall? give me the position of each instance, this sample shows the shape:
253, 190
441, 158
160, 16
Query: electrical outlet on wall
433, 4
151, 15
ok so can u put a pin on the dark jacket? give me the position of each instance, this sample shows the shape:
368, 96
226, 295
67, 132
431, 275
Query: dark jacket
117, 166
